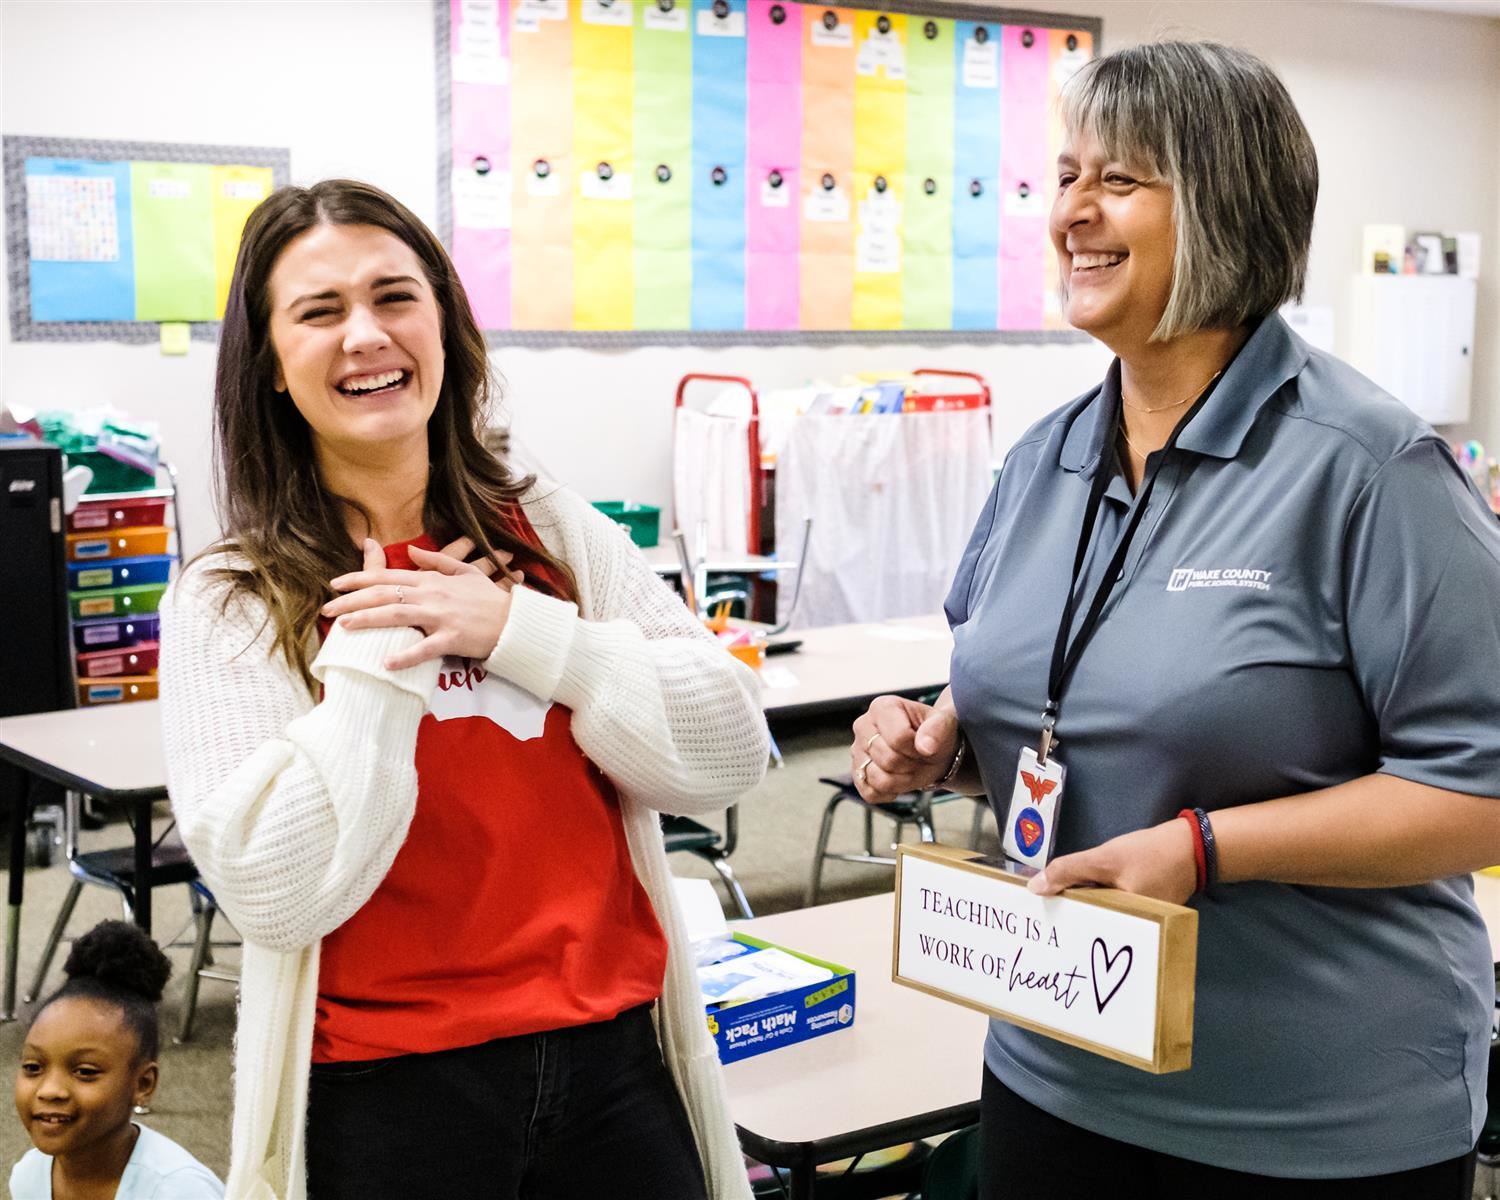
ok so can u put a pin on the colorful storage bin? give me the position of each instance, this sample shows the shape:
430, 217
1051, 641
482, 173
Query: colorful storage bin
119, 572
139, 659
131, 542
118, 514
120, 689
116, 601
110, 633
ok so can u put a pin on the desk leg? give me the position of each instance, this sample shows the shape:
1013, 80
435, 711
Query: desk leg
21, 804
804, 1179
143, 866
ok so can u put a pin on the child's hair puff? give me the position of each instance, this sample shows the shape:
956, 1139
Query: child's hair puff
116, 963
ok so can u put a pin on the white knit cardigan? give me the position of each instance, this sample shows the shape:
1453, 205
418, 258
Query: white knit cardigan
294, 810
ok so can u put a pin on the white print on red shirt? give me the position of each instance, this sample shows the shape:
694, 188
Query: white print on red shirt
466, 689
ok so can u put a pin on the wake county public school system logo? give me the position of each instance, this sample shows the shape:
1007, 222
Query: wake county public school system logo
1186, 579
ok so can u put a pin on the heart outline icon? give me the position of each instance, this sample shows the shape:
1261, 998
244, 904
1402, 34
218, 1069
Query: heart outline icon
1100, 950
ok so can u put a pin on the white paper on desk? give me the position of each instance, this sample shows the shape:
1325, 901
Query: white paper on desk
775, 679
700, 910
751, 976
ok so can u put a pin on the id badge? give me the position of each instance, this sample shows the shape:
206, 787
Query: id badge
1030, 823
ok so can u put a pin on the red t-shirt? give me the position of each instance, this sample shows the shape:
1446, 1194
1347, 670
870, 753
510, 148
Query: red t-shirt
512, 907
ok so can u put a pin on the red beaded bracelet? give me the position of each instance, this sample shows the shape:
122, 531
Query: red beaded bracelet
1200, 862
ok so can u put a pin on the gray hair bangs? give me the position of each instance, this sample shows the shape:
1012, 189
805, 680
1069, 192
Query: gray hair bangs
1219, 126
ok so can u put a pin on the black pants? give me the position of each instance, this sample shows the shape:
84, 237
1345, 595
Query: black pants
583, 1112
1028, 1154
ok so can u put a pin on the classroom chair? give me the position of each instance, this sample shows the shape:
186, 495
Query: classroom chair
952, 1171
170, 865
878, 1175
686, 834
201, 964
910, 808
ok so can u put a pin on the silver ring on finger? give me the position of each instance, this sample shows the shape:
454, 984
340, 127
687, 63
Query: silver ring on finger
400, 594
863, 767
870, 741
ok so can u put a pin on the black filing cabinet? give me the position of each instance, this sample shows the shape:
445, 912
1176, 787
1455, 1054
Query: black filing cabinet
36, 663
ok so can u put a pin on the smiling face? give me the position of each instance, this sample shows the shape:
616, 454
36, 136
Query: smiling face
80, 1075
1112, 229
358, 341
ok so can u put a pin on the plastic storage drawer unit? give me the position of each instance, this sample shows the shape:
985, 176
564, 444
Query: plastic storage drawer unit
117, 601
116, 690
119, 572
110, 633
126, 660
119, 514
131, 542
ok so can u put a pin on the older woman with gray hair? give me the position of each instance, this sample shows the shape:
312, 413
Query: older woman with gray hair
1247, 600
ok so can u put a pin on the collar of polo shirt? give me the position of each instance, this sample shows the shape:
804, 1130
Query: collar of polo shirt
1272, 356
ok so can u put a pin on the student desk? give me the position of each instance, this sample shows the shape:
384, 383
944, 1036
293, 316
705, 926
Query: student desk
664, 561
846, 666
908, 1067
112, 753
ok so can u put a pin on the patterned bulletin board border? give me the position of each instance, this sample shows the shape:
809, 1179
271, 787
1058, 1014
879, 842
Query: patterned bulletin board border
474, 249
18, 149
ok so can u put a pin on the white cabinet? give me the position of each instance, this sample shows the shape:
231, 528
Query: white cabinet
1414, 336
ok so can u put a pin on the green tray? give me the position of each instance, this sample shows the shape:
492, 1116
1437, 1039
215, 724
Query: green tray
641, 521
110, 474
137, 599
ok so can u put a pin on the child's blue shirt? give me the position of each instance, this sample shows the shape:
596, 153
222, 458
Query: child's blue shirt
159, 1169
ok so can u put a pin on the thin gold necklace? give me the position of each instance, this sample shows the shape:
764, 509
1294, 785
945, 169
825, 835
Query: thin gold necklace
1170, 407
1136, 450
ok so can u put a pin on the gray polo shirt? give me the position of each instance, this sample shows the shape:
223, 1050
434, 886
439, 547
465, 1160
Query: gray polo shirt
1313, 595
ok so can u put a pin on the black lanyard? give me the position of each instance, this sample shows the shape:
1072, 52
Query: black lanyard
1064, 656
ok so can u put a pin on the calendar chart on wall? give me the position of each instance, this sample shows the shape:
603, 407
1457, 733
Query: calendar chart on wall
107, 240
633, 170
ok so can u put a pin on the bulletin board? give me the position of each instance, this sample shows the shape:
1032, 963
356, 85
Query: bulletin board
107, 240
647, 171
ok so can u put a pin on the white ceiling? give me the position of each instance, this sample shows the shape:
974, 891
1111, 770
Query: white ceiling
1468, 8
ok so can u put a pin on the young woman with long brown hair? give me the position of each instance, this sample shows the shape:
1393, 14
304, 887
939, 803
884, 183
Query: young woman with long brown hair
420, 716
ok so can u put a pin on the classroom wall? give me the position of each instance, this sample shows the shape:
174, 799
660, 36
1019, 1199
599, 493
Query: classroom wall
1404, 107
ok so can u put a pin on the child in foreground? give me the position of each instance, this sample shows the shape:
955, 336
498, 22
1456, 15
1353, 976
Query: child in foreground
89, 1058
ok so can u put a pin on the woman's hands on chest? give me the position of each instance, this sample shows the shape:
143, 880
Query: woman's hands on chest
460, 606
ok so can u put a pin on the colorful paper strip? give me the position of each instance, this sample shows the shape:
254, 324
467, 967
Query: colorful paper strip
82, 243
976, 165
663, 131
826, 299
174, 274
773, 183
718, 179
482, 178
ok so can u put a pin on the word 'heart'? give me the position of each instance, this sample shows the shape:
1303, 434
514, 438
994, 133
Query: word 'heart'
1105, 969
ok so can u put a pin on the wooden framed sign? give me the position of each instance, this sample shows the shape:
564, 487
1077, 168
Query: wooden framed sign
1103, 970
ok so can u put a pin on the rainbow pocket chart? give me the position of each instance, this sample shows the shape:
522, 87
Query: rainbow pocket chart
631, 167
